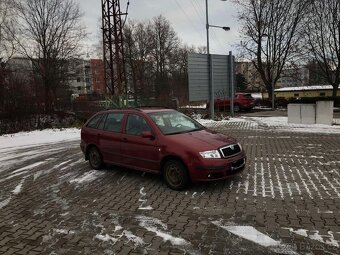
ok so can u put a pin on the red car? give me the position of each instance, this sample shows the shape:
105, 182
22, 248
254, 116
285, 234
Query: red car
161, 141
242, 101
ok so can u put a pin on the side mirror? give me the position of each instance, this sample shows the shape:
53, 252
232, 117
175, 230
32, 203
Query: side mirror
147, 134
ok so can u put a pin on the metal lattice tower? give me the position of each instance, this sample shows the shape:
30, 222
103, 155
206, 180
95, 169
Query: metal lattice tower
113, 49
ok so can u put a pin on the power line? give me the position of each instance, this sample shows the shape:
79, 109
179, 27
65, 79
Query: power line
190, 20
197, 4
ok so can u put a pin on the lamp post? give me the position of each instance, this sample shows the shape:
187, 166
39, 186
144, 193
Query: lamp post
211, 88
211, 84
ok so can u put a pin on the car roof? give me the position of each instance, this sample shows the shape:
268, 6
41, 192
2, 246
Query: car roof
139, 109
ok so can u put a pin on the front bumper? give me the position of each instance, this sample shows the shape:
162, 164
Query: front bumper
217, 169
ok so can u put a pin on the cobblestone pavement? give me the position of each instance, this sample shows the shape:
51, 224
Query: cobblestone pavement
51, 202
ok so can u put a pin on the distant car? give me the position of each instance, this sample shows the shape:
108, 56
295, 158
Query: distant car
242, 101
161, 141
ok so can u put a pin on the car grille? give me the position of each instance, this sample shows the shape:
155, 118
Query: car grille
230, 150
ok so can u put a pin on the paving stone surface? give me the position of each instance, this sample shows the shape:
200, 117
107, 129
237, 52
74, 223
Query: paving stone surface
52, 202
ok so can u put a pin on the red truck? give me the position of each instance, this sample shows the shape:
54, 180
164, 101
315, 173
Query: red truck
242, 101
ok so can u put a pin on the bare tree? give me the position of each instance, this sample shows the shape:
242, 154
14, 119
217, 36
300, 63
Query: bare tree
7, 47
150, 49
165, 41
7, 30
271, 30
138, 48
51, 32
322, 31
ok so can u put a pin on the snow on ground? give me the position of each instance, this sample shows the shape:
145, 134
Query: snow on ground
87, 177
251, 234
151, 224
275, 123
315, 235
38, 137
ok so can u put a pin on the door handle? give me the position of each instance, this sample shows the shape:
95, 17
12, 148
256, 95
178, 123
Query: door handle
124, 139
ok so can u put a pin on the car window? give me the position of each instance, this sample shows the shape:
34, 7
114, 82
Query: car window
94, 121
113, 122
173, 122
136, 125
102, 122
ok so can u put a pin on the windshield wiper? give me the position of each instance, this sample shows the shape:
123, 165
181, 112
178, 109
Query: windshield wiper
178, 132
186, 131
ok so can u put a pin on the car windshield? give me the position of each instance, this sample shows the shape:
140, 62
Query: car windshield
173, 122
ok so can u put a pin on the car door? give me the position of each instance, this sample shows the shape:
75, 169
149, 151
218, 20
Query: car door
139, 152
110, 137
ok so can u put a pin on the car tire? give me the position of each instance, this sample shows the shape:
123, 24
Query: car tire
95, 158
175, 175
236, 108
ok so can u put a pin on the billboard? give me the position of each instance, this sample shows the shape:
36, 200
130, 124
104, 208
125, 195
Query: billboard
198, 72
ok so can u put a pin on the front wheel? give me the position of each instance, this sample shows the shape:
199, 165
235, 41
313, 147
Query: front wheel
175, 175
95, 158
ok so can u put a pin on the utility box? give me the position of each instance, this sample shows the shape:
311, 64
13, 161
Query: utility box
294, 113
319, 113
324, 112
307, 113
301, 113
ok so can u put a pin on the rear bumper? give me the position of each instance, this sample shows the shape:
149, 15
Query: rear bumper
218, 169
82, 146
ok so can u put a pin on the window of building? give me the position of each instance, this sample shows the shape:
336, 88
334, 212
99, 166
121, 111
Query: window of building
322, 94
78, 79
296, 94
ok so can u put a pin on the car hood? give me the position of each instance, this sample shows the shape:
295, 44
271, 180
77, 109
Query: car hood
202, 140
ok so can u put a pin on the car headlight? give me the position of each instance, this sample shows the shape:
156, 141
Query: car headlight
210, 154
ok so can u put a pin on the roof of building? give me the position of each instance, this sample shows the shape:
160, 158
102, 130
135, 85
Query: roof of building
304, 88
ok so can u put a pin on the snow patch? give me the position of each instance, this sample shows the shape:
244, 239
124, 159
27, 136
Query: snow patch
63, 231
87, 177
106, 238
142, 192
314, 235
251, 234
18, 188
142, 199
28, 167
150, 224
5, 202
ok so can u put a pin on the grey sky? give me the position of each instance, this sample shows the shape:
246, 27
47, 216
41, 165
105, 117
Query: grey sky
186, 16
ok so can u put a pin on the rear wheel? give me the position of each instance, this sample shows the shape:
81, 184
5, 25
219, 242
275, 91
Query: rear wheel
175, 175
236, 108
95, 158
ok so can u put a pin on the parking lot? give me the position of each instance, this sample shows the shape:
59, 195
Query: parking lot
287, 201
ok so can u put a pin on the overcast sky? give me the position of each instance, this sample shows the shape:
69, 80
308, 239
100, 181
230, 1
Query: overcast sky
186, 16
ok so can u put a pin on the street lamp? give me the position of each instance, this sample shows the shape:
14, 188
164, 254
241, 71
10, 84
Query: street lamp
224, 28
211, 85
